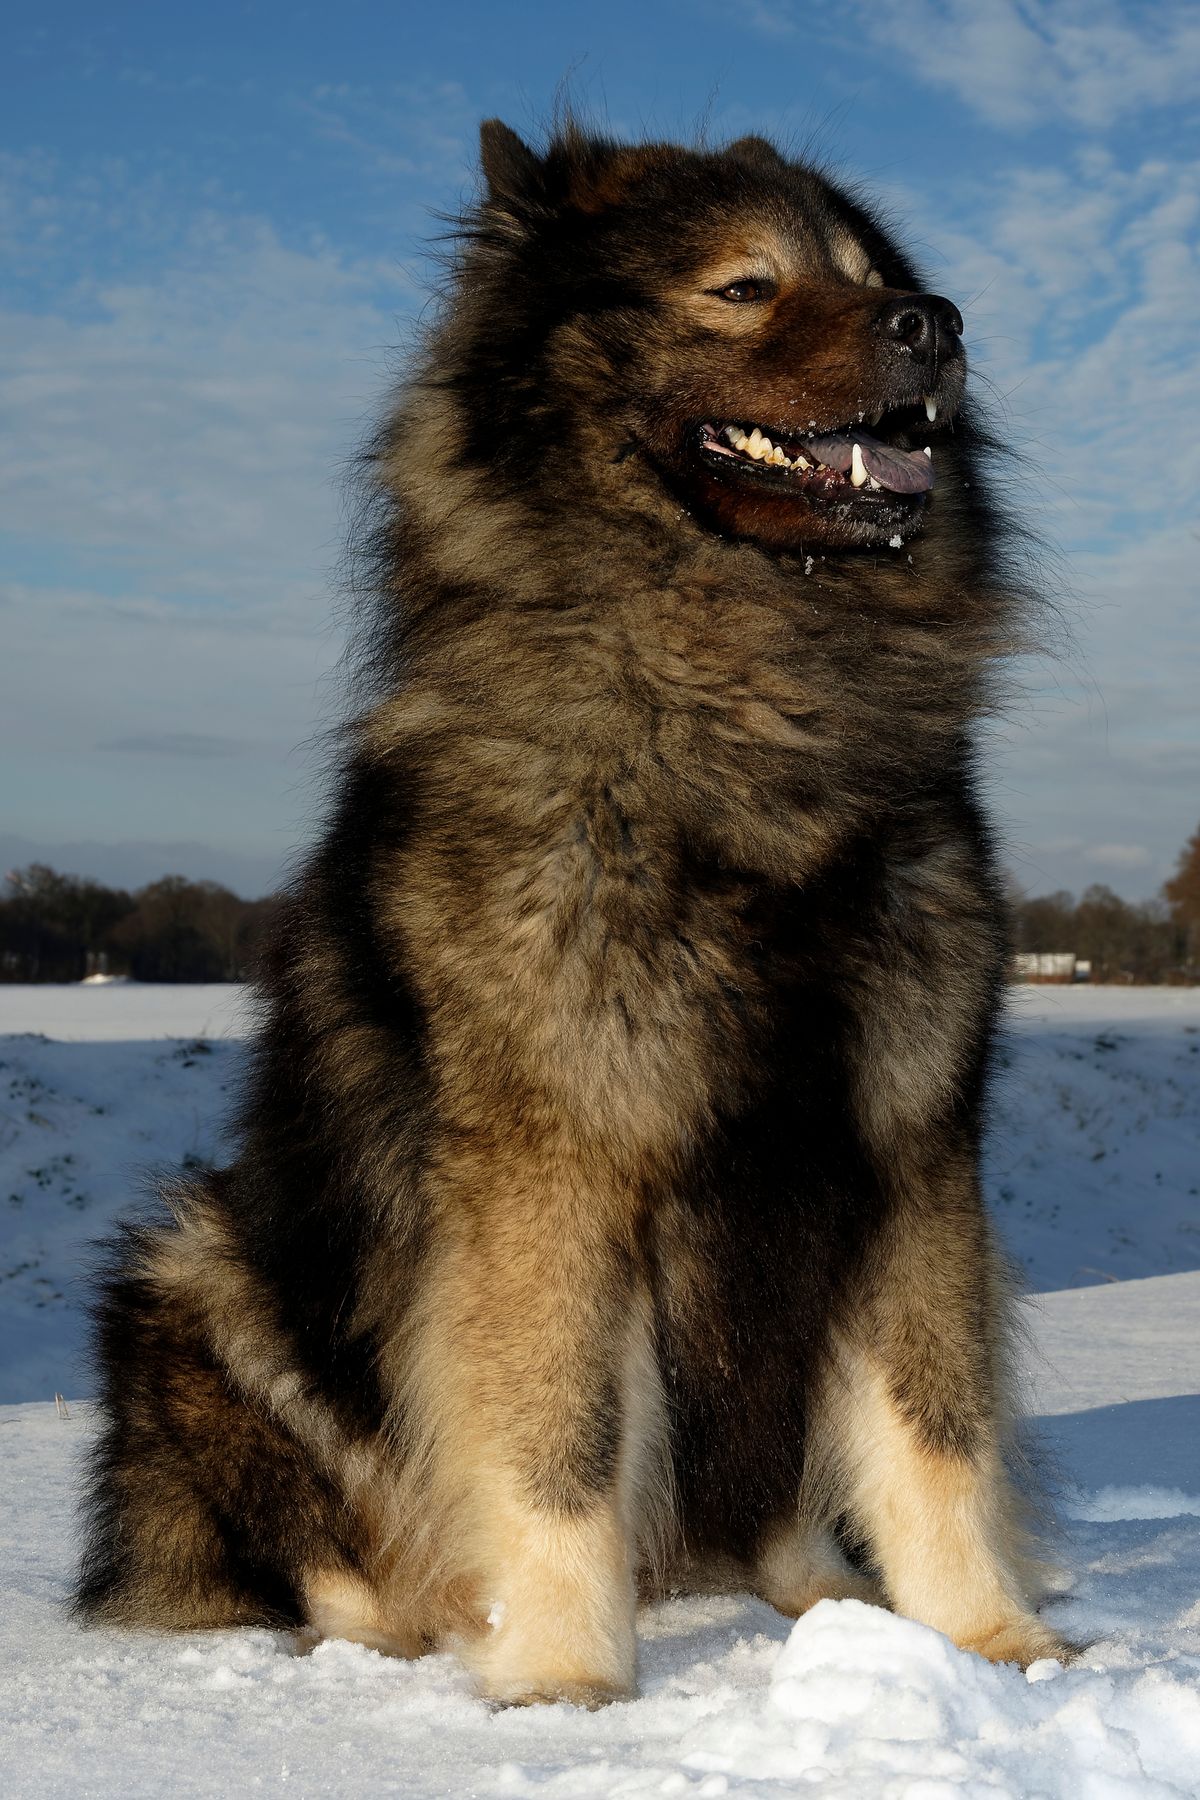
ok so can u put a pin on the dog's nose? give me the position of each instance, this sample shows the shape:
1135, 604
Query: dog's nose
925, 325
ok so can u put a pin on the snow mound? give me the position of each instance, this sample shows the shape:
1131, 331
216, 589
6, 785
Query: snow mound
878, 1705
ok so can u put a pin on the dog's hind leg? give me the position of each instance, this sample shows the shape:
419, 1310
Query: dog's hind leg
800, 1562
535, 1385
204, 1507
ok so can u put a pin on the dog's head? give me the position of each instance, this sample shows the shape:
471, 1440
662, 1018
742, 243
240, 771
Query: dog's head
731, 317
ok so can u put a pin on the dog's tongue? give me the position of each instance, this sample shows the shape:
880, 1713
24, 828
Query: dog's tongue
901, 471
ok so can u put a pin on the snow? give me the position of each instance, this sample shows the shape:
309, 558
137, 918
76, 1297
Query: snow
117, 1011
1095, 1141
1093, 1164
109, 1084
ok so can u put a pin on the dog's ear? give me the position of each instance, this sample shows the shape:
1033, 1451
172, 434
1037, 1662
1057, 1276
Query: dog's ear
754, 149
511, 171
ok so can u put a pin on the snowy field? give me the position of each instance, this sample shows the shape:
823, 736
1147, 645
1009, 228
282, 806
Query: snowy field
1094, 1171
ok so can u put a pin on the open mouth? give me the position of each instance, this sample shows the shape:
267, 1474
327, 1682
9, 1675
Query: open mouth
848, 464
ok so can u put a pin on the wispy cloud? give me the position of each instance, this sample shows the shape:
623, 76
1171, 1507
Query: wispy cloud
179, 424
1024, 63
1077, 282
1079, 285
1118, 856
176, 743
398, 128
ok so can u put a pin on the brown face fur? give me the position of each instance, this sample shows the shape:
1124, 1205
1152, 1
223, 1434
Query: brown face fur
606, 1212
745, 291
805, 356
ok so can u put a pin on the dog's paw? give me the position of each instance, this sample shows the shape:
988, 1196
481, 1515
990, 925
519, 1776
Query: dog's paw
523, 1667
1021, 1640
591, 1695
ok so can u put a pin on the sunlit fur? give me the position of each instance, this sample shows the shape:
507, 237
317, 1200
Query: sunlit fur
606, 1211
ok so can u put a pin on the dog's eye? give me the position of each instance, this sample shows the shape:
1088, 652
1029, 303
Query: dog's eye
739, 293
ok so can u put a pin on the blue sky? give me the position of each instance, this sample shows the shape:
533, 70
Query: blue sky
213, 231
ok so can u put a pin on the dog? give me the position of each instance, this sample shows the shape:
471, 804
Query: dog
606, 1217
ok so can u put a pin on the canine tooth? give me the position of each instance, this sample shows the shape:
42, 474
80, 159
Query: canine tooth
858, 468
929, 452
930, 409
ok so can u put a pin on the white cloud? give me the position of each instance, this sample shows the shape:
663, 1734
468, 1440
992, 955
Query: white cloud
169, 492
188, 426
1078, 284
1081, 282
1031, 62
1119, 856
398, 128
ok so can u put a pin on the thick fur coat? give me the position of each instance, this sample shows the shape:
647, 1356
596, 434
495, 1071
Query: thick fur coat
606, 1217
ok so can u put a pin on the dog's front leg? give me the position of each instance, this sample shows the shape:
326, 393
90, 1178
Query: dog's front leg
535, 1379
919, 1405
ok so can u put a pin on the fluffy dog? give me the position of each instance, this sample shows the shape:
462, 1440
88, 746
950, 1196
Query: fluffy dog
606, 1217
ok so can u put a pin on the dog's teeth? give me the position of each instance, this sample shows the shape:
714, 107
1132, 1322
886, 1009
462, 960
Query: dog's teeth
873, 485
802, 462
733, 433
929, 452
876, 416
741, 442
858, 469
777, 456
930, 409
756, 443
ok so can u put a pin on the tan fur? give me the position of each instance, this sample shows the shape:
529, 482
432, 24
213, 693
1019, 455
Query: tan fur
559, 1593
943, 1527
340, 1605
499, 1372
801, 1563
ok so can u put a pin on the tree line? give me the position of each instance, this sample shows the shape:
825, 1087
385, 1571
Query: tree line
62, 927
1133, 941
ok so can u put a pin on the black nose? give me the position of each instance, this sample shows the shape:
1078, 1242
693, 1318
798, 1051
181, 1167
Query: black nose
925, 325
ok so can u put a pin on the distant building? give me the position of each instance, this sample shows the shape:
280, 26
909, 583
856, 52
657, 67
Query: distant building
1061, 966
